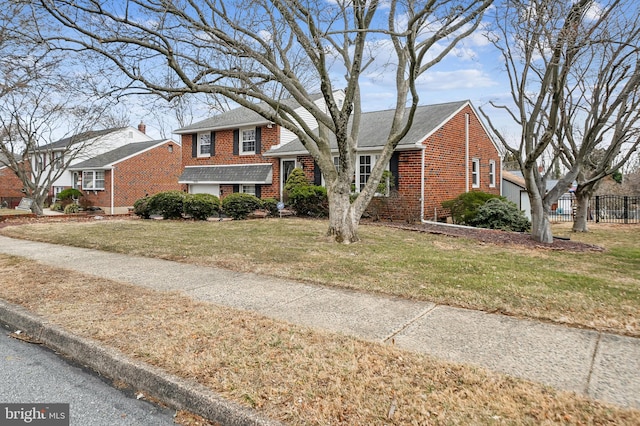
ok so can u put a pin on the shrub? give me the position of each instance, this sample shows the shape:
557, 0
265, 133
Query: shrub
271, 205
296, 179
465, 206
56, 207
72, 208
169, 204
240, 205
68, 194
498, 213
383, 188
141, 208
310, 200
201, 206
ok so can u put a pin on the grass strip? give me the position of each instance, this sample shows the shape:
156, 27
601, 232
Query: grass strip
290, 373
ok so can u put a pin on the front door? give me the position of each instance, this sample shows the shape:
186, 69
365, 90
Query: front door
287, 168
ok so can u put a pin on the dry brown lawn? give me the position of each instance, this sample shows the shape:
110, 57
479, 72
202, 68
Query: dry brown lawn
287, 372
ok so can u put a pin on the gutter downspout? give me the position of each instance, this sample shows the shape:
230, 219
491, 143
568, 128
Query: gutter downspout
422, 166
466, 152
113, 209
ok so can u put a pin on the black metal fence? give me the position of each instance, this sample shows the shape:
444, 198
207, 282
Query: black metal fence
602, 208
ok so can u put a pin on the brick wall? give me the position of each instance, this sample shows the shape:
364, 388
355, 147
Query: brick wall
10, 188
150, 172
224, 155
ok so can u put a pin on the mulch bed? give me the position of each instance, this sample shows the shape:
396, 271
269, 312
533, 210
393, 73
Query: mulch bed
495, 237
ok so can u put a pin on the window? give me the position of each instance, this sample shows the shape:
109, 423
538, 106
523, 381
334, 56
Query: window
248, 141
492, 173
93, 179
204, 144
58, 159
76, 177
475, 173
364, 170
170, 147
248, 189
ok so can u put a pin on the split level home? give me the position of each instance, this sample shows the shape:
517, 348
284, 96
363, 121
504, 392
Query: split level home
447, 151
113, 167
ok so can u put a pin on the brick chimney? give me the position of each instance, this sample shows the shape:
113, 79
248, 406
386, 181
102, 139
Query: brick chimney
142, 127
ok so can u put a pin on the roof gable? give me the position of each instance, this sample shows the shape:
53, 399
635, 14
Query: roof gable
374, 128
118, 155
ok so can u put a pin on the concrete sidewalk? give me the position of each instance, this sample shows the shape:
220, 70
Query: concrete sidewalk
599, 365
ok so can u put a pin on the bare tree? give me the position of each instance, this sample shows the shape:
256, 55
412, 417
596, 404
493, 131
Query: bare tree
39, 104
256, 52
601, 110
545, 45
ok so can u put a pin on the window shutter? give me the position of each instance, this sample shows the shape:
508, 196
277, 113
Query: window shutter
213, 144
394, 168
236, 142
236, 188
194, 145
317, 174
259, 191
258, 140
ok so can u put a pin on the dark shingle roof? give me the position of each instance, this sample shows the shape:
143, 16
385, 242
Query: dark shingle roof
242, 173
375, 127
81, 137
237, 117
116, 155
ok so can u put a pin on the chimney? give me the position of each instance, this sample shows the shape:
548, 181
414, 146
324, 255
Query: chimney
142, 127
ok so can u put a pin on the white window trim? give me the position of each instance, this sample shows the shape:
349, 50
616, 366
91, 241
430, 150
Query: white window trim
475, 175
374, 160
243, 189
241, 141
199, 145
93, 180
492, 173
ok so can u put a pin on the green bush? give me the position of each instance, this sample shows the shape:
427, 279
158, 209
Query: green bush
169, 204
68, 194
296, 179
201, 206
72, 208
271, 205
141, 208
382, 186
310, 200
465, 206
498, 213
56, 207
240, 205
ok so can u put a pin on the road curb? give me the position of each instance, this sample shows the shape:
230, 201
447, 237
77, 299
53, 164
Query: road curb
177, 393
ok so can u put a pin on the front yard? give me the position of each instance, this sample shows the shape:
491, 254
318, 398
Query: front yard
599, 290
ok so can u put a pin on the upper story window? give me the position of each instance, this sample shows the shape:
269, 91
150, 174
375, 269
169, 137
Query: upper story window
93, 179
248, 141
475, 173
58, 159
204, 144
492, 173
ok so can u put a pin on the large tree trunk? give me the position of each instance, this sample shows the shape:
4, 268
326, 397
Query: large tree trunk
540, 225
37, 207
582, 211
343, 218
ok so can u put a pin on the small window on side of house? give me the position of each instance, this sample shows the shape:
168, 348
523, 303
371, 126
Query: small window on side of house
475, 173
492, 173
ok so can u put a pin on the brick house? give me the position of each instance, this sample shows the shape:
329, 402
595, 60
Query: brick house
115, 179
11, 188
446, 152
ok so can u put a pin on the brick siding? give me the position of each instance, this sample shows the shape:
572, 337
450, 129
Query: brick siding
150, 172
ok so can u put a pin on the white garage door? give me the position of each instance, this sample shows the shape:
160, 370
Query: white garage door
204, 189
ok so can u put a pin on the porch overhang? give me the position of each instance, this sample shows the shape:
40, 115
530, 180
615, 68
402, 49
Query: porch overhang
248, 174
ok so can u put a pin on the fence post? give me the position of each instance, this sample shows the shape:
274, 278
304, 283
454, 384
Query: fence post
626, 209
597, 209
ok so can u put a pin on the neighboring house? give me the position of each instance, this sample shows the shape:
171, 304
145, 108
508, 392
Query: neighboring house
447, 151
514, 189
95, 142
11, 188
115, 179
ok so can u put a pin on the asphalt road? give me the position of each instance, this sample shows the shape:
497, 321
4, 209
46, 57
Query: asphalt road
30, 373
